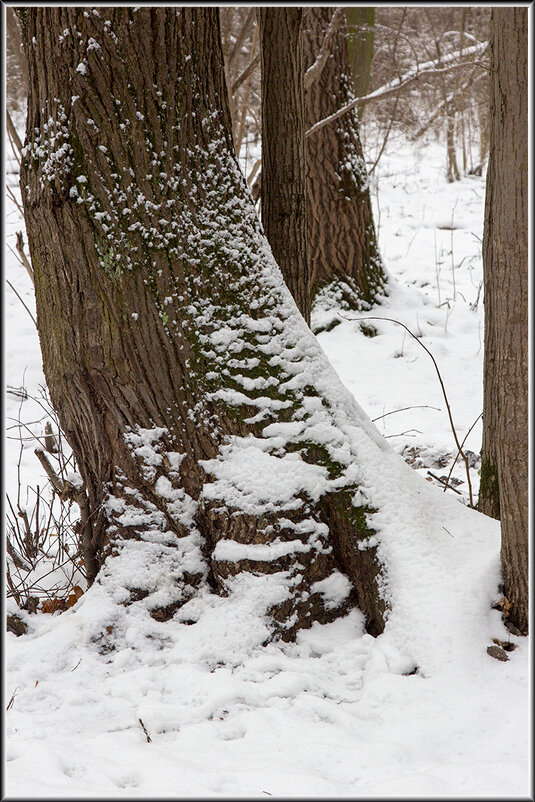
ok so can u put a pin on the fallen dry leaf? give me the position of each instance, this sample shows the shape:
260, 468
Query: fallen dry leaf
53, 605
75, 595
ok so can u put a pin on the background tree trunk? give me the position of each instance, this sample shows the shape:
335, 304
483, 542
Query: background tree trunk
283, 192
187, 383
504, 459
346, 267
13, 33
360, 22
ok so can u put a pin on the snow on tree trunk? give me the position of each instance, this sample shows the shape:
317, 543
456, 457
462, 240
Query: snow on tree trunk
213, 436
346, 266
504, 457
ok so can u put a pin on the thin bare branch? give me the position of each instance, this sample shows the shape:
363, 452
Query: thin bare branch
428, 69
404, 409
256, 167
22, 302
454, 432
440, 108
464, 441
444, 482
13, 135
246, 73
24, 259
15, 200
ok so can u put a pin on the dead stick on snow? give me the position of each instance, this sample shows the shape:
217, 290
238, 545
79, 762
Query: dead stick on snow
149, 739
444, 482
13, 698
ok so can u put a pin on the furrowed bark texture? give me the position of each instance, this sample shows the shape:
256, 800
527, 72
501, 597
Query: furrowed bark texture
504, 458
283, 193
346, 266
170, 343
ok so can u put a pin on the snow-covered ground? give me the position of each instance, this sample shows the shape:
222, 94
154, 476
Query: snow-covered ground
421, 711
430, 236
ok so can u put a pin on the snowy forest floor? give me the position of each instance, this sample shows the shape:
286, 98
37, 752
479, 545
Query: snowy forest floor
421, 711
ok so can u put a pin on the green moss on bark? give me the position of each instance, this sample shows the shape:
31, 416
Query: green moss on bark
489, 490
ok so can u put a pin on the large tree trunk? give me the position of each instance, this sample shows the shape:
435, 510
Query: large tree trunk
346, 266
212, 435
283, 192
504, 459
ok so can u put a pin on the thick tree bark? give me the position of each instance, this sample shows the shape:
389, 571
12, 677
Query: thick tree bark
211, 433
346, 266
504, 459
283, 192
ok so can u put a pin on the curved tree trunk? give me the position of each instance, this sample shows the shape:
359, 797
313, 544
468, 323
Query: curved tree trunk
212, 435
283, 192
504, 458
346, 266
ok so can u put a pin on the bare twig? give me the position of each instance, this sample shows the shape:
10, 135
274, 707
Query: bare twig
393, 115
11, 701
444, 482
254, 171
464, 441
22, 302
454, 432
401, 434
385, 139
24, 259
426, 70
149, 739
403, 409
440, 108
13, 135
245, 74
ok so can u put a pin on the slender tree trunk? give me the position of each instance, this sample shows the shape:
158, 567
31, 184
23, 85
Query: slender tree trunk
212, 435
15, 39
452, 171
283, 193
360, 22
346, 267
504, 464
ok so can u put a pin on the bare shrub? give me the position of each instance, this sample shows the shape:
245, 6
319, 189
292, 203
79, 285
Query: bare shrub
44, 566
